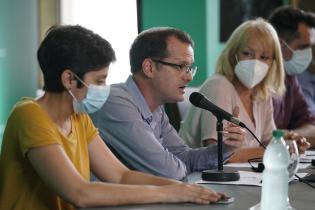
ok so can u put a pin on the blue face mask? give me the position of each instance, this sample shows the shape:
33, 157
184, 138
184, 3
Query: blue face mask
299, 62
95, 98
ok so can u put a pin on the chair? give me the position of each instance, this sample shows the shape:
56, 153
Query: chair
177, 112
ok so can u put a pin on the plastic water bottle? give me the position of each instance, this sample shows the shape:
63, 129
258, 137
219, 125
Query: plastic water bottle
275, 176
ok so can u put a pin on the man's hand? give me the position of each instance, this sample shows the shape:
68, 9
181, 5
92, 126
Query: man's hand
301, 141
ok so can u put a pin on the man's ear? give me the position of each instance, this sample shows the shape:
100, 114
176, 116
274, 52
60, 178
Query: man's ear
67, 78
147, 67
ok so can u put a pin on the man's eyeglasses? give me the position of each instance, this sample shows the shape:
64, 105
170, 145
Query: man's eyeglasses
179, 67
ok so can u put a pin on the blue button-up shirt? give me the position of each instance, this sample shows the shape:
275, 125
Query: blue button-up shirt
307, 81
145, 140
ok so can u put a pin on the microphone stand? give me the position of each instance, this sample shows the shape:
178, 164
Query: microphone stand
220, 175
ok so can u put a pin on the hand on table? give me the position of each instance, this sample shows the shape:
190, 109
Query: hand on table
301, 141
193, 193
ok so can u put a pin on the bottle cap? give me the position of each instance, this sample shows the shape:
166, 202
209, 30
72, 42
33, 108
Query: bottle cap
277, 133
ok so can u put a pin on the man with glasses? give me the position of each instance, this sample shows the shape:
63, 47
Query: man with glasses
133, 122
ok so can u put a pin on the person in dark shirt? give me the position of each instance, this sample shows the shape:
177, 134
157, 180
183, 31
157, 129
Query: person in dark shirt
295, 29
307, 82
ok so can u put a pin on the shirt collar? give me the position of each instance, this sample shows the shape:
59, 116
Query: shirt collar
138, 99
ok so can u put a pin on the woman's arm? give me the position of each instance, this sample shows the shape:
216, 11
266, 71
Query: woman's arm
242, 155
108, 168
59, 174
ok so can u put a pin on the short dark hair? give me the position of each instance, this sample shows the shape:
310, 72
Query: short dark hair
286, 20
152, 43
75, 48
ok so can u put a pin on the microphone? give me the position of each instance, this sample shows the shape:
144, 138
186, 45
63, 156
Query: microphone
203, 102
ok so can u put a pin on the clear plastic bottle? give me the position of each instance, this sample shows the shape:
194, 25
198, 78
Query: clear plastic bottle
275, 176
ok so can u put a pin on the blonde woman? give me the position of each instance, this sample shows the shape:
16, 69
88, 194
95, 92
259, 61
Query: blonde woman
248, 72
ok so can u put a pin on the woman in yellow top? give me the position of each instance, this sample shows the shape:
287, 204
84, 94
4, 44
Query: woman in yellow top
50, 144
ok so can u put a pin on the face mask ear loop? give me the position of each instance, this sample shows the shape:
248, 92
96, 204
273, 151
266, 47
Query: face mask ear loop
286, 44
70, 92
78, 78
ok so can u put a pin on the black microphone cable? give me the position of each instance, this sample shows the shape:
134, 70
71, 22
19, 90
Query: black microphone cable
261, 144
304, 181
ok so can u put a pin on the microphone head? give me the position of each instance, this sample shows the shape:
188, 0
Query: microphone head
195, 98
199, 100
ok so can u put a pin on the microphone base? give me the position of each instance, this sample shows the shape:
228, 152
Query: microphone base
220, 176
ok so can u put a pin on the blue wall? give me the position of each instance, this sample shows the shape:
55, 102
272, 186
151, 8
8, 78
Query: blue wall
18, 44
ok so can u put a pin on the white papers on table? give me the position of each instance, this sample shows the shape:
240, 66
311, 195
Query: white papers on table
307, 156
247, 178
241, 165
310, 153
305, 161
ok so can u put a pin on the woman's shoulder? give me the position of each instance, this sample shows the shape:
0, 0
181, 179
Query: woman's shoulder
26, 105
25, 111
217, 82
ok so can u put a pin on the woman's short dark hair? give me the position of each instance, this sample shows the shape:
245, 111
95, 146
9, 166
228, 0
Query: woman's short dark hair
286, 20
75, 48
152, 43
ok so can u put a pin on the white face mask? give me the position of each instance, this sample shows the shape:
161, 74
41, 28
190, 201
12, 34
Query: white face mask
95, 98
300, 60
251, 72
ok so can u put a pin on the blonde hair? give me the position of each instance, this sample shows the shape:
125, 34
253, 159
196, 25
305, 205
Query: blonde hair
273, 83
